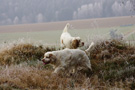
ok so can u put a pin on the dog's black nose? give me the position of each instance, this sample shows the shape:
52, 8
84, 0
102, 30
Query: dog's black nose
43, 60
83, 43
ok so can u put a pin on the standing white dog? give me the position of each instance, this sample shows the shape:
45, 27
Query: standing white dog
67, 59
67, 41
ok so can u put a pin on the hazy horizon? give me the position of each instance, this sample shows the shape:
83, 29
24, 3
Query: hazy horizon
14, 12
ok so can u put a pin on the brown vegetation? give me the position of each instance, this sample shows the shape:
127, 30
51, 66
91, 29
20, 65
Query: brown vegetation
113, 60
113, 64
22, 52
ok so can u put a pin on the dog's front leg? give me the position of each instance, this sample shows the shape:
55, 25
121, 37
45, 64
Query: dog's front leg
58, 70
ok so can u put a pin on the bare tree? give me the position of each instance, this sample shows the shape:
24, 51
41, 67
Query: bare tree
132, 3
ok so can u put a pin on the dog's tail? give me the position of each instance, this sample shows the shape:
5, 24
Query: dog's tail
87, 50
66, 27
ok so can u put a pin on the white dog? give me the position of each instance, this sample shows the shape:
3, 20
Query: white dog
67, 41
68, 59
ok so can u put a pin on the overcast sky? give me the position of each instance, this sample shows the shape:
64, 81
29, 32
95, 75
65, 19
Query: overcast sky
38, 11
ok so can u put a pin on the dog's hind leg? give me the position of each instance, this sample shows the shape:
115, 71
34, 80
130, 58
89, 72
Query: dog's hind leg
62, 45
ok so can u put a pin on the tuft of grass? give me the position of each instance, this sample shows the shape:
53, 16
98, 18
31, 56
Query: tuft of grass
113, 60
23, 52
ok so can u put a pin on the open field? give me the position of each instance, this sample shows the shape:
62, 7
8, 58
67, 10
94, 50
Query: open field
77, 24
50, 32
52, 37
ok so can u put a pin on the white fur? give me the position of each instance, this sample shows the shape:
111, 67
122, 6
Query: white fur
68, 58
66, 39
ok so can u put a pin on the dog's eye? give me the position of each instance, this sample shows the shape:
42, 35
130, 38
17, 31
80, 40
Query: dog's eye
47, 57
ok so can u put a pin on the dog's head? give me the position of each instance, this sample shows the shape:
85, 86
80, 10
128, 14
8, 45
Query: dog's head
76, 42
49, 57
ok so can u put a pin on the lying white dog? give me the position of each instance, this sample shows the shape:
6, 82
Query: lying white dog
67, 41
68, 59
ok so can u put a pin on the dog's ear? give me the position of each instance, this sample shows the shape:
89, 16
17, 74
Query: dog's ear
75, 43
50, 55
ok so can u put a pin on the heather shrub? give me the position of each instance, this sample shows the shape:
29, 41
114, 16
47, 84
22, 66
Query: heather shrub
23, 52
113, 60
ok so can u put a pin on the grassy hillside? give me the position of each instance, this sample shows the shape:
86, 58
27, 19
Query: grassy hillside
113, 64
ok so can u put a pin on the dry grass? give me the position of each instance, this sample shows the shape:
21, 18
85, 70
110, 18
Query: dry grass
22, 52
113, 60
113, 64
26, 77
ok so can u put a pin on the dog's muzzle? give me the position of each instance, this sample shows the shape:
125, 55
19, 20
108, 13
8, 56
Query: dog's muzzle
45, 62
81, 44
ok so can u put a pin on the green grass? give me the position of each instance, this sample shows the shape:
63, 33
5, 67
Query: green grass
52, 37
